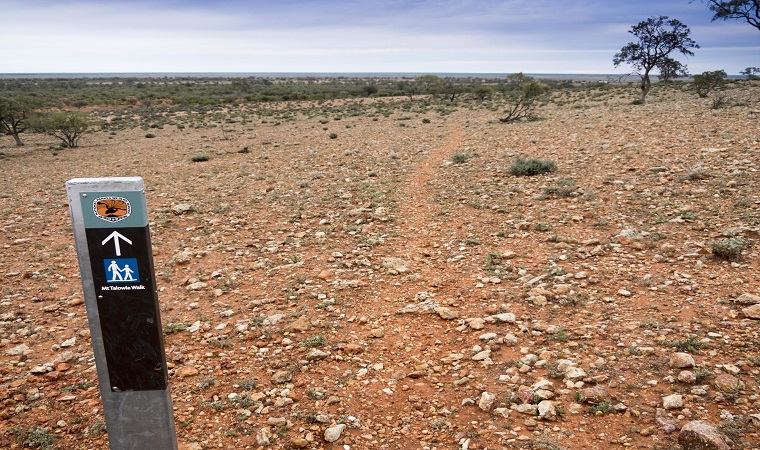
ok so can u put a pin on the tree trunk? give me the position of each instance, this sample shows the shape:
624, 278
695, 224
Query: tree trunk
646, 86
18, 140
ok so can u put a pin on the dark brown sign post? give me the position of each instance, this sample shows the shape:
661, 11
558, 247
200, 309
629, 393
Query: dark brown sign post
110, 222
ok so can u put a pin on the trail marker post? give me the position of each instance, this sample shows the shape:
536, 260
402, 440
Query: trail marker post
110, 220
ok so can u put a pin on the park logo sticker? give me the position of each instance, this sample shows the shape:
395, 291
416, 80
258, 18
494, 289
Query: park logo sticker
111, 209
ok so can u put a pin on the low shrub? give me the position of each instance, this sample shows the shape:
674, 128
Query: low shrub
459, 158
522, 167
729, 249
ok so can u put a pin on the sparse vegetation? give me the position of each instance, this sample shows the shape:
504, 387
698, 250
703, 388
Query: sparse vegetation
604, 407
459, 158
174, 327
68, 127
729, 249
34, 437
350, 233
691, 344
707, 82
523, 167
314, 341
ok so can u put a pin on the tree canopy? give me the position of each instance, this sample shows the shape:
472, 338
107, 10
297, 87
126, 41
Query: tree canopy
68, 127
748, 10
14, 114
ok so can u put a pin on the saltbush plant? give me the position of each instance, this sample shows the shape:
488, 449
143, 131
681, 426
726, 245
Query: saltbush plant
729, 249
459, 158
523, 167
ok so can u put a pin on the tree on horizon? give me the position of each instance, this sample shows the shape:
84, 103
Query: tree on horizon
658, 37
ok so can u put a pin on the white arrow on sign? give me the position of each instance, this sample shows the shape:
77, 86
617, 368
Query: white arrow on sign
116, 236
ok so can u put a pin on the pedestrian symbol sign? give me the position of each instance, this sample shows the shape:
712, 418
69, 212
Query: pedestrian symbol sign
112, 236
121, 270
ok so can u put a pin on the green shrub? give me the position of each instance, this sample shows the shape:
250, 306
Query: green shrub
708, 81
35, 437
459, 158
522, 167
333, 135
199, 158
729, 249
150, 135
314, 341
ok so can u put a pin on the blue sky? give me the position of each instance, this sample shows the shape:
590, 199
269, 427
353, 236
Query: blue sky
428, 36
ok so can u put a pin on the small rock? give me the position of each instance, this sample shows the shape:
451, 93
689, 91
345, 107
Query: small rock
752, 312
299, 443
476, 323
595, 394
20, 349
396, 266
700, 435
38, 370
281, 377
198, 285
546, 410
681, 360
483, 355
486, 401
687, 376
506, 317
300, 324
727, 383
446, 313
263, 437
316, 354
488, 336
182, 208
674, 401
667, 424
181, 258
186, 371
748, 299
527, 408
377, 333
333, 433
575, 373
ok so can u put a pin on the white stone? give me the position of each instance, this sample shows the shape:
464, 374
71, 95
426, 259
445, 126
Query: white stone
486, 401
333, 433
674, 401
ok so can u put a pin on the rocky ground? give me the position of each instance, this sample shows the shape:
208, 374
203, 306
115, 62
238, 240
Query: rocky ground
395, 287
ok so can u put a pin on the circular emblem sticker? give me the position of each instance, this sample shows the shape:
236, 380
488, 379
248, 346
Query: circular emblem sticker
111, 209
